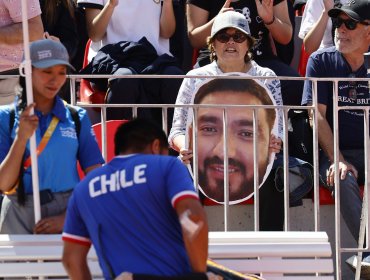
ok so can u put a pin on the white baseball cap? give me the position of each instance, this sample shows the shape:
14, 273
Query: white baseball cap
230, 19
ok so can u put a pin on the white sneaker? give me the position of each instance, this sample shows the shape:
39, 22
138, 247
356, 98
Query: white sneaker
365, 266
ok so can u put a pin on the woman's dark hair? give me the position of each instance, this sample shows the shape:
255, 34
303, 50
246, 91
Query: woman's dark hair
135, 135
21, 105
248, 56
21, 93
50, 9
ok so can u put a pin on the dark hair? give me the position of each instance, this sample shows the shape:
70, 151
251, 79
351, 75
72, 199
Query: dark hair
50, 9
248, 56
238, 85
137, 134
21, 93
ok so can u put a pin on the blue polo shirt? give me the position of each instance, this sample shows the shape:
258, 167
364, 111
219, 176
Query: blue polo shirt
126, 209
57, 163
331, 63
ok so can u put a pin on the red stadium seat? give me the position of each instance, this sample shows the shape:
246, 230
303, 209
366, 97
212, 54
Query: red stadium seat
87, 94
326, 197
302, 62
111, 128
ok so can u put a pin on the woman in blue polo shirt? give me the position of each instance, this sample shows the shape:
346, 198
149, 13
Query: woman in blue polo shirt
63, 136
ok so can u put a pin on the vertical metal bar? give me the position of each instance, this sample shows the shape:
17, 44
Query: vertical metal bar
195, 147
316, 170
164, 120
255, 169
72, 92
104, 132
286, 172
134, 111
364, 208
226, 170
336, 181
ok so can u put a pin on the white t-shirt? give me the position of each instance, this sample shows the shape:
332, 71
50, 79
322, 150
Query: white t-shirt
131, 20
189, 86
311, 15
11, 12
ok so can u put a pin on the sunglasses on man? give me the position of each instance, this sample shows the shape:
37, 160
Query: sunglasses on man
349, 23
223, 37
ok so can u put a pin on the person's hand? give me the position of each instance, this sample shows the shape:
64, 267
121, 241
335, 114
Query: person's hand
212, 276
124, 276
275, 144
27, 123
328, 4
265, 9
344, 169
185, 156
226, 7
113, 3
51, 37
50, 225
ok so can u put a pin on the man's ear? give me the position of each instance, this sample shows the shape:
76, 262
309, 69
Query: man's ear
156, 147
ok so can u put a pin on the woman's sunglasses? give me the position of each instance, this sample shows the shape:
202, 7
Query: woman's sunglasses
349, 23
238, 37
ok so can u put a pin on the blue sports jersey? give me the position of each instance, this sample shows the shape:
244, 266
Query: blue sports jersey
126, 209
331, 63
57, 163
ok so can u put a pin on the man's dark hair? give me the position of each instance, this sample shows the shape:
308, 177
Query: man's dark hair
135, 135
238, 85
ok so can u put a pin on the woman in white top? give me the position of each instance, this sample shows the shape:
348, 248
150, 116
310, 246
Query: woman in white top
230, 44
316, 28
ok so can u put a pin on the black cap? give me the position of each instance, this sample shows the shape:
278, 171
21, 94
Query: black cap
358, 10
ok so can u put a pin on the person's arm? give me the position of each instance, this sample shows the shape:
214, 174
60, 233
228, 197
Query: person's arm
10, 166
167, 21
199, 28
326, 141
277, 19
196, 243
75, 260
97, 20
313, 38
12, 34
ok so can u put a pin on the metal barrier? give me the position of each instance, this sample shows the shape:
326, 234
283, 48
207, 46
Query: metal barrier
314, 107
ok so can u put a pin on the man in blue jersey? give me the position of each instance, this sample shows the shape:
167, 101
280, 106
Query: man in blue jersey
345, 59
140, 211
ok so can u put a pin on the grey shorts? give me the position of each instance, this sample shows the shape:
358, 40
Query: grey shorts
20, 219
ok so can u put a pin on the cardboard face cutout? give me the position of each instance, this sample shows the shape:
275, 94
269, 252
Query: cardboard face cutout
231, 114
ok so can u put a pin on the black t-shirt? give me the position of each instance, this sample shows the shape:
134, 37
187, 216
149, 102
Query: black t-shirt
249, 9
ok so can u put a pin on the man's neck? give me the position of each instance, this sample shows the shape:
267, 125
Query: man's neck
355, 61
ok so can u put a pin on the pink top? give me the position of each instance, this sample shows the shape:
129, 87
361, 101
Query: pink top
11, 12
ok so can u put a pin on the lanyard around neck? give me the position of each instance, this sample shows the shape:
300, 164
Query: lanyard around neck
44, 141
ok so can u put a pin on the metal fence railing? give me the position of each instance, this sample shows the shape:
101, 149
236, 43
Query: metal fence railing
74, 79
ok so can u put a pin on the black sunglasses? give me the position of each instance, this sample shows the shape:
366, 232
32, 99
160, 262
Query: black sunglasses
349, 23
238, 37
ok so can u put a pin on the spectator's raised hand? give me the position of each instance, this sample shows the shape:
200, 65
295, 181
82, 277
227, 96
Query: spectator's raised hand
113, 3
226, 7
265, 9
27, 123
328, 4
51, 37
